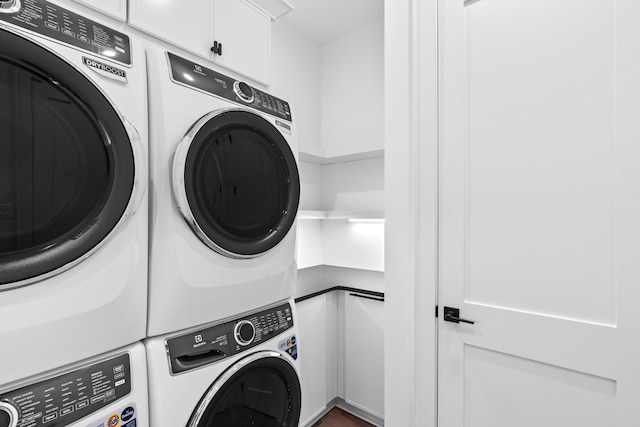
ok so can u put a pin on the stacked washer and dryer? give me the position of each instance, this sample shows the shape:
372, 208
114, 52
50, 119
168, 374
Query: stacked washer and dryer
73, 218
224, 189
206, 275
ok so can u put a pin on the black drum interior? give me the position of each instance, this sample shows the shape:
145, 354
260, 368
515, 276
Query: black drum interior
242, 183
265, 393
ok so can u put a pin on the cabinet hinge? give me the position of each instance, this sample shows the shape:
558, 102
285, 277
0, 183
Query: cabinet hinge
436, 311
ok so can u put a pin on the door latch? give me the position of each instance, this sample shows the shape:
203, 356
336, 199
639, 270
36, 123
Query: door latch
452, 314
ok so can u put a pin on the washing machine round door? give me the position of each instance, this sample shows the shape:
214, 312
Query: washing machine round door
236, 183
67, 166
262, 389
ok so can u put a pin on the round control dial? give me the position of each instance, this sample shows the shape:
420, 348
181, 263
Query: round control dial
9, 6
8, 414
244, 91
244, 332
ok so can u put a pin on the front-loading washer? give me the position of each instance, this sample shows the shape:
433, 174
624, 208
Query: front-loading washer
239, 372
108, 390
73, 174
224, 190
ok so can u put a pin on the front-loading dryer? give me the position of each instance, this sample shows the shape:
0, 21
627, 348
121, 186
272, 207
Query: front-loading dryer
109, 390
224, 190
73, 173
243, 371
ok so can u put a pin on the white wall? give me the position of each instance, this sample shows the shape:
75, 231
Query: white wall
298, 67
337, 96
311, 186
355, 185
352, 94
316, 81
348, 186
295, 77
336, 90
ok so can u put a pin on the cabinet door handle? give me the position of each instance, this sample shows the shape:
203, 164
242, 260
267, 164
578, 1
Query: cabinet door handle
368, 297
217, 48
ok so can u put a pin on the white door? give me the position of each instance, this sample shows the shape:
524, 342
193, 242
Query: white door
540, 213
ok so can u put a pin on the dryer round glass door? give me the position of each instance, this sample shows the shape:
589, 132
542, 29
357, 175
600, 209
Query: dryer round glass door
67, 166
262, 390
236, 183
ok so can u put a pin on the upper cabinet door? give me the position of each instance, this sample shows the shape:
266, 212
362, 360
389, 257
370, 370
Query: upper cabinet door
232, 33
114, 8
245, 34
186, 26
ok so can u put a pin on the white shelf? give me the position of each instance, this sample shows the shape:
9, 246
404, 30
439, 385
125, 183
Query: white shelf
307, 214
352, 244
353, 215
316, 158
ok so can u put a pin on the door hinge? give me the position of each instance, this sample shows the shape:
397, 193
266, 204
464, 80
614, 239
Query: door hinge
436, 311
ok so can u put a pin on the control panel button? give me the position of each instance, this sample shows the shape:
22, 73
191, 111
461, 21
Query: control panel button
66, 411
8, 414
244, 332
244, 91
9, 6
50, 417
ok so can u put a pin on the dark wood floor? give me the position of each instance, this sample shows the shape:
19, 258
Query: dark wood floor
340, 418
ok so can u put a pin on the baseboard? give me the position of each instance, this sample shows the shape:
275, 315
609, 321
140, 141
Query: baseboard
340, 403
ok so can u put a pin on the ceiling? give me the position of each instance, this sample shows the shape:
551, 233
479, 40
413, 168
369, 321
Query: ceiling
325, 20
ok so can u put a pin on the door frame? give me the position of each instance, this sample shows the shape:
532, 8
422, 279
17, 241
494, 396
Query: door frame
411, 211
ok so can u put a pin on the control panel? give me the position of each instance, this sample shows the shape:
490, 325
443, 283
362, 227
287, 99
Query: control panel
215, 343
62, 25
65, 399
196, 76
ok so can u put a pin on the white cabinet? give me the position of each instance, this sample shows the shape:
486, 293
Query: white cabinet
364, 353
341, 353
312, 339
318, 356
240, 30
114, 8
172, 21
245, 34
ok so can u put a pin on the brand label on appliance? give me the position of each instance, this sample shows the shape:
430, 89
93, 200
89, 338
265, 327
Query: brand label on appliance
105, 69
123, 417
290, 346
284, 127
